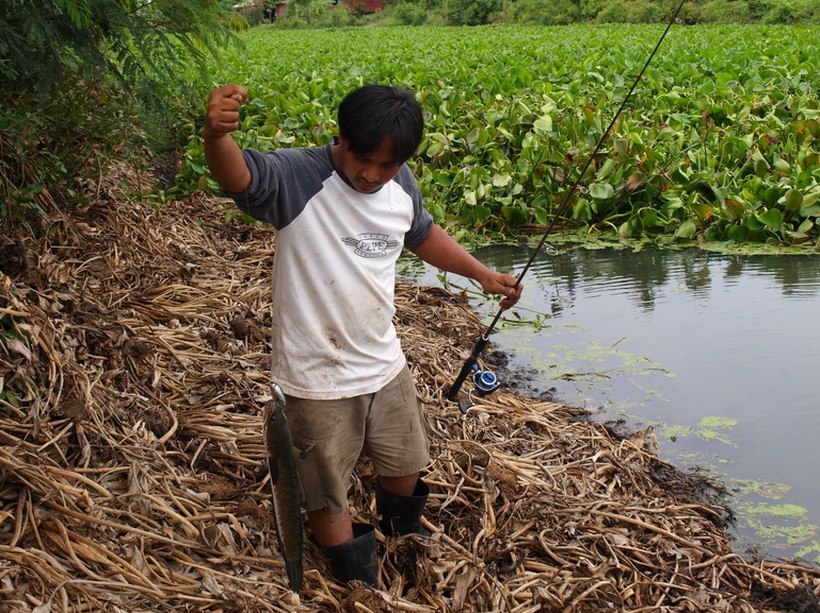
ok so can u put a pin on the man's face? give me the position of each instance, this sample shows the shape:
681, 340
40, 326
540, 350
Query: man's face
366, 173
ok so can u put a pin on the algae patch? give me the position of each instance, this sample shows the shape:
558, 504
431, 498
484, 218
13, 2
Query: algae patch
780, 510
712, 428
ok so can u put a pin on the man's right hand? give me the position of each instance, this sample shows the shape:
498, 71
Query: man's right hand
223, 110
224, 157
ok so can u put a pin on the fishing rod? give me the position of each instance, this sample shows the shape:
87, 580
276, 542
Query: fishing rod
485, 382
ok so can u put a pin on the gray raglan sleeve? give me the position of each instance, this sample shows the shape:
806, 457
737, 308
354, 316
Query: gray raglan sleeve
422, 220
281, 184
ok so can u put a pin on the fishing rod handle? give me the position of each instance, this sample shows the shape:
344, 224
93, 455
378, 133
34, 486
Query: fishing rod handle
466, 369
452, 393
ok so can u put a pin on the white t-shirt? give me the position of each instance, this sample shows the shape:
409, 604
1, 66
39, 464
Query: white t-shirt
334, 270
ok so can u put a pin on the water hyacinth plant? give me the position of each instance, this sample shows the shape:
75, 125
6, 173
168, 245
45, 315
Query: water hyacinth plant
719, 142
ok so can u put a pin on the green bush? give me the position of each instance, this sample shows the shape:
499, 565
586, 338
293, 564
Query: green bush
321, 16
541, 12
85, 83
807, 11
471, 12
255, 16
724, 11
779, 14
639, 11
409, 13
46, 150
339, 16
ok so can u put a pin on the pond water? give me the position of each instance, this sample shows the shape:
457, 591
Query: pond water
720, 354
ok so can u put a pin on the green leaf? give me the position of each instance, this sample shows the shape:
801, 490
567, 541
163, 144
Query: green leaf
78, 11
606, 169
810, 211
793, 199
772, 195
649, 218
686, 230
581, 210
782, 166
713, 233
772, 218
482, 213
543, 125
739, 234
435, 148
601, 191
806, 226
754, 224
734, 209
501, 180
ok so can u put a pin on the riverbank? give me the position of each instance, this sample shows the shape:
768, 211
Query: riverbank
132, 473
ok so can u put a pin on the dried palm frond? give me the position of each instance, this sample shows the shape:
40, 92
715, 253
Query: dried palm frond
133, 363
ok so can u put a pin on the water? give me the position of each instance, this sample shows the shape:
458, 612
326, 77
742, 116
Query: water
720, 354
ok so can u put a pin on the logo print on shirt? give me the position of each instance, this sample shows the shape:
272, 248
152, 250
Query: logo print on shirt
371, 245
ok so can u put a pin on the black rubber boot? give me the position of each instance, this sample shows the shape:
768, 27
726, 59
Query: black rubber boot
355, 560
402, 514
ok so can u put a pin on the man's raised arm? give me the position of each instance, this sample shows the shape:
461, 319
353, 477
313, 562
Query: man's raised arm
223, 155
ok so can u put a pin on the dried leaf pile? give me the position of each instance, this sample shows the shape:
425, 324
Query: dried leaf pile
133, 362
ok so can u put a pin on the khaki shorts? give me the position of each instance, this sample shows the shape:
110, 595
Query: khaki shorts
388, 426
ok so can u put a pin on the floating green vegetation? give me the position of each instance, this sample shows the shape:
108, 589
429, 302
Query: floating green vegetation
782, 522
718, 145
781, 510
672, 433
712, 429
765, 489
730, 248
717, 422
780, 534
810, 552
600, 352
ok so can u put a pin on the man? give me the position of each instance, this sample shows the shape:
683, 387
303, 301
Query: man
342, 214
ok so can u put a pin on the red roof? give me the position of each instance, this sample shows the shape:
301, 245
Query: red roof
370, 6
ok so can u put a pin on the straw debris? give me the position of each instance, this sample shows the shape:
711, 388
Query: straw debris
133, 363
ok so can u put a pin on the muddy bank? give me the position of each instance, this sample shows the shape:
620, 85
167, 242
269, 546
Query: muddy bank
133, 358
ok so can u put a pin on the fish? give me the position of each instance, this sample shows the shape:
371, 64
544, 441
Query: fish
285, 490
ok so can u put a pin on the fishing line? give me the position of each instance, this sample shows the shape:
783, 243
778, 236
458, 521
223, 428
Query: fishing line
485, 381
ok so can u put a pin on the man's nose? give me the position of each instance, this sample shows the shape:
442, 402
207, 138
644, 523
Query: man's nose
371, 174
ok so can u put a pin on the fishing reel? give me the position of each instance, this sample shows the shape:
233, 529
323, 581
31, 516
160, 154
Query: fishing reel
484, 383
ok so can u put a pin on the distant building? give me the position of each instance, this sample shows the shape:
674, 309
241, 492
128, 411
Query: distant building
365, 6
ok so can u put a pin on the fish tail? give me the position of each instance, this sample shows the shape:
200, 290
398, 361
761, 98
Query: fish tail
294, 571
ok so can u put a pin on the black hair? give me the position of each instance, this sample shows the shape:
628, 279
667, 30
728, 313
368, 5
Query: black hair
372, 113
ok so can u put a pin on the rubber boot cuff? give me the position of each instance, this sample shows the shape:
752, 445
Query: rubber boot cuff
402, 514
356, 559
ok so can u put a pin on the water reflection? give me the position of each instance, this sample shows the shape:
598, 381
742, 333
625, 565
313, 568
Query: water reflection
720, 353
641, 274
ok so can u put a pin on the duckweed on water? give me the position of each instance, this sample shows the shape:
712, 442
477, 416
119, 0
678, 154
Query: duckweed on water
781, 510
810, 552
765, 489
709, 429
672, 433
